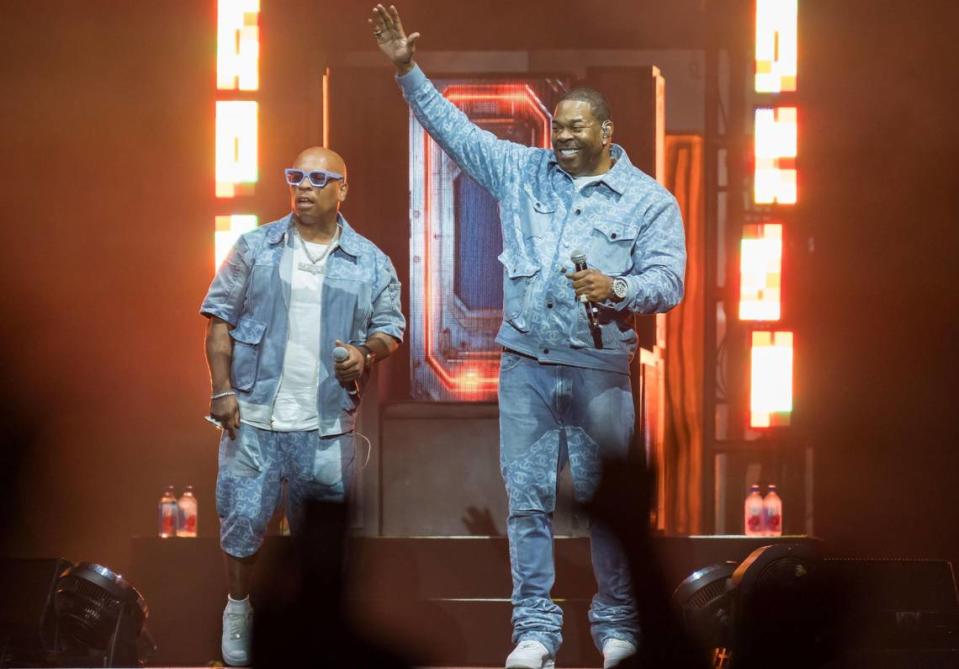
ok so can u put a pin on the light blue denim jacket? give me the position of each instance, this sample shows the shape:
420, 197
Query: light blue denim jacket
627, 224
251, 291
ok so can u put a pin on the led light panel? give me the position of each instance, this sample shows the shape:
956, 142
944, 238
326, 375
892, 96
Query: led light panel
775, 148
776, 45
238, 45
236, 147
760, 272
771, 379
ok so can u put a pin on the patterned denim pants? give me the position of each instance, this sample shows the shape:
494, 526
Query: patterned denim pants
252, 469
551, 415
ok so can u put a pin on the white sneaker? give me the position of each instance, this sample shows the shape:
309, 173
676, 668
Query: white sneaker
615, 651
530, 654
237, 629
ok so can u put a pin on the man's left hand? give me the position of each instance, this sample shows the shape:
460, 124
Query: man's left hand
350, 369
596, 286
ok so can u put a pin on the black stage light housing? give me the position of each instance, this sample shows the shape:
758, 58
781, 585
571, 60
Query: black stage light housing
704, 601
99, 615
781, 609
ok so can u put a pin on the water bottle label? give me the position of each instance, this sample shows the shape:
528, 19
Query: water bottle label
168, 522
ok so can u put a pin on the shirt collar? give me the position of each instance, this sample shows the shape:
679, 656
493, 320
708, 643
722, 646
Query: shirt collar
349, 240
617, 176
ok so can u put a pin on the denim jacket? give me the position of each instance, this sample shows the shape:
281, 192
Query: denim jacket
251, 292
627, 224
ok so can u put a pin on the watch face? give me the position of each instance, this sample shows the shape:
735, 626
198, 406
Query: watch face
619, 287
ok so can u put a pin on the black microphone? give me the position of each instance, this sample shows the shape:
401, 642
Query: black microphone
339, 355
578, 259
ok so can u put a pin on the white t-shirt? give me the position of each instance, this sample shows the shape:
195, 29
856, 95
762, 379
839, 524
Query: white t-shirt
583, 182
295, 405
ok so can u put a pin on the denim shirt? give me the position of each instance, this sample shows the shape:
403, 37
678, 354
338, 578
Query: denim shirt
251, 291
627, 224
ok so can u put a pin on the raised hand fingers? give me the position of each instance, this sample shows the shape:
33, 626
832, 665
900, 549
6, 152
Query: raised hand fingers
384, 16
395, 18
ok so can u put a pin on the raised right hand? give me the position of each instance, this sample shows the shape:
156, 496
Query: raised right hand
392, 39
227, 411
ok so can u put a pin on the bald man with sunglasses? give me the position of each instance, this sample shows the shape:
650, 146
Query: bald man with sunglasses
298, 312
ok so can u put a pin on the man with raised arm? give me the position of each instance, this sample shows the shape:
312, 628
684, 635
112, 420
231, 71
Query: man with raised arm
567, 333
298, 313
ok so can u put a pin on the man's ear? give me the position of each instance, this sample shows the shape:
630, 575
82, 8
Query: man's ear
607, 131
344, 189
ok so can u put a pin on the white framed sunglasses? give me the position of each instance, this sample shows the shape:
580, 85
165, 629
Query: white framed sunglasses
318, 178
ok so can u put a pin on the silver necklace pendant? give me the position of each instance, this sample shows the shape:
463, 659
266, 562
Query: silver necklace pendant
312, 269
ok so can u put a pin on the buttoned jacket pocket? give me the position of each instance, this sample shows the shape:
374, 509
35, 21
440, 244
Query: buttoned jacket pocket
612, 247
516, 290
246, 336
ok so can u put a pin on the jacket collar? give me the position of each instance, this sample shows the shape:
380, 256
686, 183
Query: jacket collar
618, 174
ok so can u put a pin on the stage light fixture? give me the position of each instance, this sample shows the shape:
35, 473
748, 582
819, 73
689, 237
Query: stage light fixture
704, 601
99, 615
781, 607
760, 272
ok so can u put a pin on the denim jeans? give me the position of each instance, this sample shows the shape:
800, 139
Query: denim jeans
551, 415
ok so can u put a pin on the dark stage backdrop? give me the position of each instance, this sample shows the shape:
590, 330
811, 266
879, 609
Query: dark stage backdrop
879, 298
106, 135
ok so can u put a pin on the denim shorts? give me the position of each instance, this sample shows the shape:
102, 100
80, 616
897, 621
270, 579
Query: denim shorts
252, 469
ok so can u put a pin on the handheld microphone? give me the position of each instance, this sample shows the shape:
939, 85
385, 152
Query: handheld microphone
339, 355
578, 259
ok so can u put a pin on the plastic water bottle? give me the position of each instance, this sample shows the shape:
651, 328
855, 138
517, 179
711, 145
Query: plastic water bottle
186, 527
753, 512
167, 513
773, 513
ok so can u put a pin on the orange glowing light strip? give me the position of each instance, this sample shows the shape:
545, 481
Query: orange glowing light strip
471, 97
470, 380
775, 150
238, 45
760, 272
771, 379
777, 39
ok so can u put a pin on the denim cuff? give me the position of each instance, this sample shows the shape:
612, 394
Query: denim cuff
412, 80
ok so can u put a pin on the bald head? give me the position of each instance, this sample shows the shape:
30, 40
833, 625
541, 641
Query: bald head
320, 158
313, 205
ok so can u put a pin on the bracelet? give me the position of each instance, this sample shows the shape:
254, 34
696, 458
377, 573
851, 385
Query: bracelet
368, 357
225, 393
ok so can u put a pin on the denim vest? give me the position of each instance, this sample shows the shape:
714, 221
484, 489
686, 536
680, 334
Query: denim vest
251, 292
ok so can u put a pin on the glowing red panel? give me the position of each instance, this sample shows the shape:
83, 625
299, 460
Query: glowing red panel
454, 355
